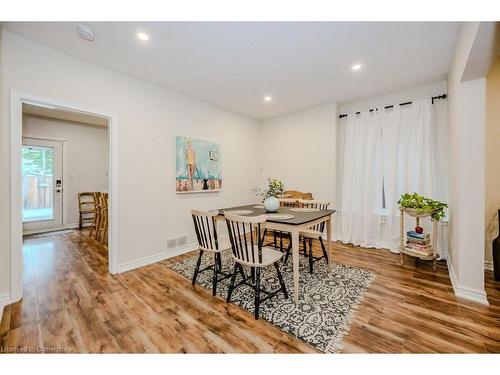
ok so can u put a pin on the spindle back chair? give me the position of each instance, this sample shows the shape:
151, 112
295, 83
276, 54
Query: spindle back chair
245, 235
315, 204
86, 208
284, 202
205, 226
96, 222
314, 233
288, 202
103, 225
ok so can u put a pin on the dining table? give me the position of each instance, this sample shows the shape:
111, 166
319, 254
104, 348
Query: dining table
300, 220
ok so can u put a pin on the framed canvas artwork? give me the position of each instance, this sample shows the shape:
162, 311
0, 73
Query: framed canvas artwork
198, 166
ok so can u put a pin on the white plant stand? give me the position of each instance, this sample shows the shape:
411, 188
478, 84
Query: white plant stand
408, 251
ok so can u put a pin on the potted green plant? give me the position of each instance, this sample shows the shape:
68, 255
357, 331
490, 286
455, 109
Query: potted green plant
418, 205
275, 187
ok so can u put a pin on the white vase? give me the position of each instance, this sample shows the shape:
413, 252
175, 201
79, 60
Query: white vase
271, 204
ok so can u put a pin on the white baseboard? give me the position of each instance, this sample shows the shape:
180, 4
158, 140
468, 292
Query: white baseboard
4, 301
488, 265
463, 291
76, 226
157, 257
64, 227
385, 245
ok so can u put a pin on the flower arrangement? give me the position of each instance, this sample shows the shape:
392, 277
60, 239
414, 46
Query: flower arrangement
423, 205
275, 187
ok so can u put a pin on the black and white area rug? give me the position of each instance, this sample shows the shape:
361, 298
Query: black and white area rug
328, 300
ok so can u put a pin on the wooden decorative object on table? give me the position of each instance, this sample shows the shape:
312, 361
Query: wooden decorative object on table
294, 194
404, 249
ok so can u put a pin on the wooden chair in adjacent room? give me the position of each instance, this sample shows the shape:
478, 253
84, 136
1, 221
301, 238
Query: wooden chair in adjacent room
86, 208
94, 228
245, 234
205, 226
314, 233
103, 225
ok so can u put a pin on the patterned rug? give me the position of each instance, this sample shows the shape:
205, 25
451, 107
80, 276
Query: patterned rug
327, 305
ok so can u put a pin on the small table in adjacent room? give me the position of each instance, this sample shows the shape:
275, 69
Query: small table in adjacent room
404, 249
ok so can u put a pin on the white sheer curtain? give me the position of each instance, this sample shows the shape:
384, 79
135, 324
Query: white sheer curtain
362, 180
406, 148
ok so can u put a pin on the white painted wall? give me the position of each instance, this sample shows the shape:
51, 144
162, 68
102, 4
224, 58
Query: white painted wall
147, 120
87, 156
299, 149
492, 147
466, 114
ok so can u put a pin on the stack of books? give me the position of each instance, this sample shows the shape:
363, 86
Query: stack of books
419, 242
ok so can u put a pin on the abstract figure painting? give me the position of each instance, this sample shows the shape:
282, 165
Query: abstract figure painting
198, 166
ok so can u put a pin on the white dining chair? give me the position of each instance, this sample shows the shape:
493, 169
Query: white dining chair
205, 227
284, 202
314, 233
245, 235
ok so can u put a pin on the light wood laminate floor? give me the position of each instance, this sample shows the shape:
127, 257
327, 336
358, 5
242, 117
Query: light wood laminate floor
72, 304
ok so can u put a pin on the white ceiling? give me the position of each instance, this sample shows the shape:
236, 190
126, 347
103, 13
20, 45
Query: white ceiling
233, 65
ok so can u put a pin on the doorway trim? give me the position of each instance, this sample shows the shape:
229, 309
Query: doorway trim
16, 234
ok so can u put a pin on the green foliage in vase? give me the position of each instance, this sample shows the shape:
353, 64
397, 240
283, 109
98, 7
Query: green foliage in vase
423, 205
275, 187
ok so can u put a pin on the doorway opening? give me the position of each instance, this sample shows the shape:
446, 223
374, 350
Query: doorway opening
59, 151
65, 160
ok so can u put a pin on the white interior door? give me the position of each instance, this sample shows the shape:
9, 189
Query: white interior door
42, 185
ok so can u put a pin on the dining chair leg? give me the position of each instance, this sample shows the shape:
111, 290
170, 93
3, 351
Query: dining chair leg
219, 260
214, 278
324, 249
288, 251
104, 225
197, 269
242, 272
274, 236
252, 274
310, 256
92, 227
280, 278
281, 242
264, 235
304, 247
80, 221
257, 292
97, 223
231, 284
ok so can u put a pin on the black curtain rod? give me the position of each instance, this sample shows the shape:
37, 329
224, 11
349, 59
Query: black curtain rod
443, 96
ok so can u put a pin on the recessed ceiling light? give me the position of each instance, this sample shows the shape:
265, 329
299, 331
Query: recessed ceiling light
85, 33
356, 66
267, 98
143, 36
